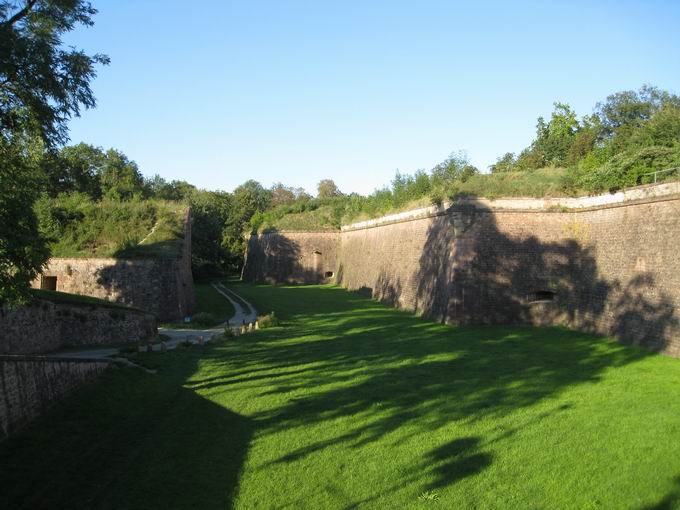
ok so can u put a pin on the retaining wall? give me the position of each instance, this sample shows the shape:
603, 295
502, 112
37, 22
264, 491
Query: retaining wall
292, 257
29, 384
43, 326
162, 286
605, 264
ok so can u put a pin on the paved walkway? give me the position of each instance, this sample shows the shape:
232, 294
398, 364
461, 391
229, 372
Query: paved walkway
241, 316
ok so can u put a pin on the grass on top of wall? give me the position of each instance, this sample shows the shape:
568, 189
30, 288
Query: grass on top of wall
77, 299
81, 227
353, 404
331, 213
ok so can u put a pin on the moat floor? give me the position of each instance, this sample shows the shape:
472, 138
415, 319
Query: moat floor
353, 404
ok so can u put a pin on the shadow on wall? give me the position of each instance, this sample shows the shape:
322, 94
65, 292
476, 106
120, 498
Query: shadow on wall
471, 272
275, 258
162, 285
151, 443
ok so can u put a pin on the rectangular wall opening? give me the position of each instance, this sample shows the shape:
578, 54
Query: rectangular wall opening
48, 283
541, 296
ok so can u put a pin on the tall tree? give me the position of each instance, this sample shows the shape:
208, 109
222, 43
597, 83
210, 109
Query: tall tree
554, 138
120, 178
327, 188
630, 108
42, 85
75, 168
22, 250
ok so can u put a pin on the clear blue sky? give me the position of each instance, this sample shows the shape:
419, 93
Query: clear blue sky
218, 92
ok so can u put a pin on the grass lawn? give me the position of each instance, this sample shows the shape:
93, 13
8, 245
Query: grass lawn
355, 405
208, 300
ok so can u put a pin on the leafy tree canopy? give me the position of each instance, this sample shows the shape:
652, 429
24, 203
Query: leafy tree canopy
327, 188
43, 84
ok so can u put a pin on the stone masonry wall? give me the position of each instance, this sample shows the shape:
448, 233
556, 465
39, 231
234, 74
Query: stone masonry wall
29, 384
163, 287
606, 264
611, 269
43, 326
292, 257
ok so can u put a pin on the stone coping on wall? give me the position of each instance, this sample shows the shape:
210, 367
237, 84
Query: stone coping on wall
50, 359
276, 232
639, 194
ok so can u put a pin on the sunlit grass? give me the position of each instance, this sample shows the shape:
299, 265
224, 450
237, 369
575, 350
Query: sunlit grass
352, 404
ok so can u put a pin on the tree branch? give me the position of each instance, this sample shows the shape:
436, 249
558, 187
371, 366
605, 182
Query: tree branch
22, 13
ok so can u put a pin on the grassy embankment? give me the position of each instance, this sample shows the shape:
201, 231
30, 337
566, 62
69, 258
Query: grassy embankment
331, 214
80, 227
351, 403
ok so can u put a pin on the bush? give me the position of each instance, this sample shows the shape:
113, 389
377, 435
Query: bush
204, 319
268, 321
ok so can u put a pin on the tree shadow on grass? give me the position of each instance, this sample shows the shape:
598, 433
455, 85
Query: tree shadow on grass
670, 501
388, 376
129, 440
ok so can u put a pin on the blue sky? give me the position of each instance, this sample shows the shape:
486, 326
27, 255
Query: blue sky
218, 92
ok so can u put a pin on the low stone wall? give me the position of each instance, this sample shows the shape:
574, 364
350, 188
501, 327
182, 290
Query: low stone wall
29, 384
43, 326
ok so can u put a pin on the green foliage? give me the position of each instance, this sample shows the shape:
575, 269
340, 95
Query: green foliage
554, 138
629, 109
327, 189
159, 188
76, 168
22, 250
77, 226
43, 84
204, 319
627, 169
120, 178
268, 321
210, 216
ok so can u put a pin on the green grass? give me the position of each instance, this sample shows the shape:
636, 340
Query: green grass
80, 227
77, 299
544, 182
351, 404
208, 300
332, 213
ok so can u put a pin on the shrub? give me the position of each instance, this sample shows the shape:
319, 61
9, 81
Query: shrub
204, 319
268, 321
